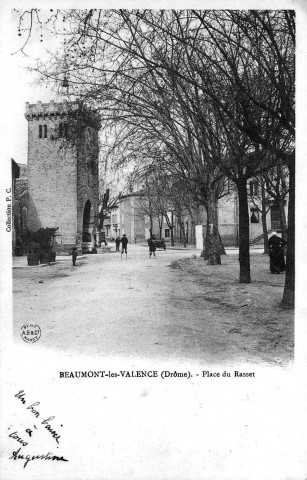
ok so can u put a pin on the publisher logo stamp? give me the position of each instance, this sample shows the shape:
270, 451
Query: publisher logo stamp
30, 332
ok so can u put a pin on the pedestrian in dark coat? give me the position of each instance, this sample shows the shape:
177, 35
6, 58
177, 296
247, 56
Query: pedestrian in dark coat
152, 247
117, 243
74, 256
276, 252
124, 242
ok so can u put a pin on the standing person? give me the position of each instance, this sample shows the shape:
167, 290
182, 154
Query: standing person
276, 253
74, 256
124, 242
117, 243
152, 247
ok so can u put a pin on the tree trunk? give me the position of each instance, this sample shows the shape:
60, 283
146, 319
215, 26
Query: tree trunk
263, 218
172, 236
289, 290
183, 232
172, 230
221, 247
192, 228
160, 220
244, 258
193, 237
282, 216
283, 220
212, 240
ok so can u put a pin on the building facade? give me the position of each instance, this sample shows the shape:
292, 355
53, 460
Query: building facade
127, 218
63, 183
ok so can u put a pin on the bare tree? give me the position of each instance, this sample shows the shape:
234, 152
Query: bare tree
242, 62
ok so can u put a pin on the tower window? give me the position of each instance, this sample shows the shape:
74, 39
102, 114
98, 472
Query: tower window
63, 129
40, 131
45, 131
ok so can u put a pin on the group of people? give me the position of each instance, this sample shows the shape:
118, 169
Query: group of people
276, 251
118, 241
123, 241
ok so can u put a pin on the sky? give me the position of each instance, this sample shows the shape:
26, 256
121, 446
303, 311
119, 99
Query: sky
21, 85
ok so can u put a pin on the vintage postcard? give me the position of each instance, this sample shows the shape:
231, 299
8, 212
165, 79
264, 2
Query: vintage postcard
153, 230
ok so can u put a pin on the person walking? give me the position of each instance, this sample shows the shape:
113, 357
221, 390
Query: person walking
124, 242
152, 247
117, 243
276, 253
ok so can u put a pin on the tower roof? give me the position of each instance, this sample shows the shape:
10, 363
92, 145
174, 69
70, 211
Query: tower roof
49, 109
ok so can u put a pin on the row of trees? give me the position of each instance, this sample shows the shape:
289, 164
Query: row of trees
166, 198
201, 96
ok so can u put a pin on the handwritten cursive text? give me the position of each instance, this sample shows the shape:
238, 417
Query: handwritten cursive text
48, 456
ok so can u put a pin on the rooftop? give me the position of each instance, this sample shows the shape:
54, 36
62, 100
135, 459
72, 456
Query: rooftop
48, 109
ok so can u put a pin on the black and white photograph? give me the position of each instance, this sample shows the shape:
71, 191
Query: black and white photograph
153, 230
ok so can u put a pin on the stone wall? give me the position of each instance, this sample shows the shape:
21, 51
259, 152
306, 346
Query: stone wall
88, 180
60, 177
21, 187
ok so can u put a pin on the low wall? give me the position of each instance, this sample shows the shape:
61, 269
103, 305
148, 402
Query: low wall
255, 230
229, 234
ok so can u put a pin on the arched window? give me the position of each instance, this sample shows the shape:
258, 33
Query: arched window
40, 131
45, 131
24, 218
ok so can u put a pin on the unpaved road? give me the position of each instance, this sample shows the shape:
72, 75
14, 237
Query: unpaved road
169, 307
